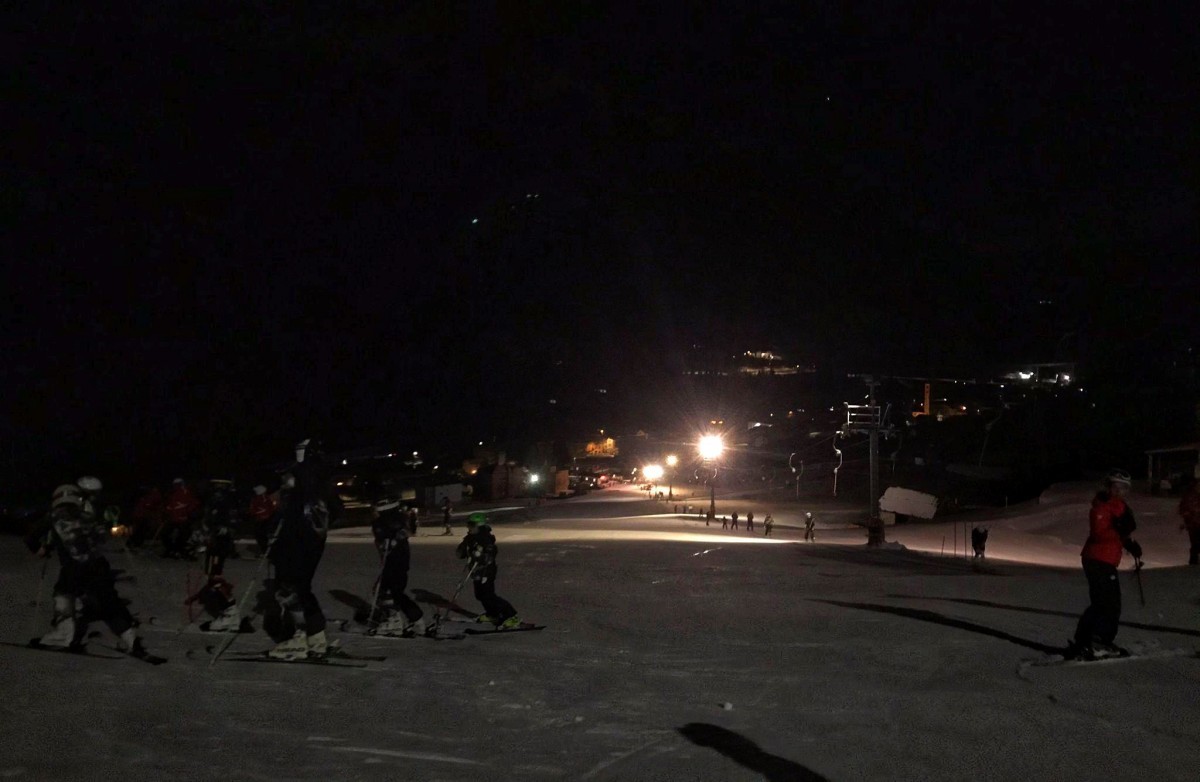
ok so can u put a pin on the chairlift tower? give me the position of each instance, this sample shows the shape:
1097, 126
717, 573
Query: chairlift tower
869, 419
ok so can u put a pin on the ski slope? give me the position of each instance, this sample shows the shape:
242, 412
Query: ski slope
674, 651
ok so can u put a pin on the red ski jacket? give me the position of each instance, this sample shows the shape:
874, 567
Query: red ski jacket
149, 507
1105, 543
181, 505
262, 507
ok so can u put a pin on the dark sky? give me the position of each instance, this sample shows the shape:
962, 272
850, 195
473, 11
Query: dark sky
233, 223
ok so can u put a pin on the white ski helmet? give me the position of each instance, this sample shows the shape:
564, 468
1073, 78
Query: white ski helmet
1118, 476
385, 505
260, 490
67, 494
90, 483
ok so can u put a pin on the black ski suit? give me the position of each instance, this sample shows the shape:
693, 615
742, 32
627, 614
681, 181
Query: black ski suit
479, 549
307, 514
391, 539
84, 572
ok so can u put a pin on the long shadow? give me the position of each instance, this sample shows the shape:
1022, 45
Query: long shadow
1048, 612
936, 618
436, 600
362, 609
745, 752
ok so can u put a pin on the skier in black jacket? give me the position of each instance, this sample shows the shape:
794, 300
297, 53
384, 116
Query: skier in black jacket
479, 549
84, 576
296, 552
390, 527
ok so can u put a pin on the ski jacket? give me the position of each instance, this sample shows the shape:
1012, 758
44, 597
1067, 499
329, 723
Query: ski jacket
1111, 523
479, 549
181, 505
219, 521
309, 509
390, 528
262, 507
69, 532
1189, 507
149, 507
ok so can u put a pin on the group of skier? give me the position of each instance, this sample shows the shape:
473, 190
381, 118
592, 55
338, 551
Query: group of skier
299, 518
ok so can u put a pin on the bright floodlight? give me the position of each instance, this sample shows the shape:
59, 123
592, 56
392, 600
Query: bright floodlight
533, 478
672, 460
711, 447
653, 472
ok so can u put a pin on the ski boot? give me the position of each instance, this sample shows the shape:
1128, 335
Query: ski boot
295, 648
511, 623
62, 636
230, 621
488, 618
394, 625
417, 628
318, 645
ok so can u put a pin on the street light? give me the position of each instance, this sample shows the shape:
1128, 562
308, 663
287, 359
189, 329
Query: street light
672, 460
653, 473
711, 446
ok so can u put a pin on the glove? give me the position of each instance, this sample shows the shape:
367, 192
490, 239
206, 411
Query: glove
1134, 548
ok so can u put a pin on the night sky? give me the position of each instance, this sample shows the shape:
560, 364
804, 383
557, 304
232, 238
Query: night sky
228, 225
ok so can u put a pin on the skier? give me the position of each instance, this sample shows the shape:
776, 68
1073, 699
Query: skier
446, 516
768, 523
147, 516
262, 511
296, 551
733, 521
1189, 510
979, 536
413, 522
750, 521
181, 508
1111, 525
724, 522
218, 525
85, 577
390, 527
479, 549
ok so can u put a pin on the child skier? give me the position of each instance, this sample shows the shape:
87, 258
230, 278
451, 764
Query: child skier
390, 527
218, 526
84, 575
479, 549
810, 527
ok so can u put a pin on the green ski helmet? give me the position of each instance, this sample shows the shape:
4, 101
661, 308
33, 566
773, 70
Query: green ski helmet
475, 519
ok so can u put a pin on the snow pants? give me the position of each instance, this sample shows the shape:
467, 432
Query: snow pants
1102, 617
493, 605
294, 572
392, 583
94, 583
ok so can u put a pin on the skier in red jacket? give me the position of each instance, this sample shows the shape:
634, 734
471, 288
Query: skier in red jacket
181, 508
1112, 525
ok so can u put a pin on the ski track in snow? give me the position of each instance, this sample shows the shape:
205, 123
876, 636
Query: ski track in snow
396, 753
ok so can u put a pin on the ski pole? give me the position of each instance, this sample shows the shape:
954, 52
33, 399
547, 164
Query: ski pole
1137, 572
249, 590
438, 618
378, 587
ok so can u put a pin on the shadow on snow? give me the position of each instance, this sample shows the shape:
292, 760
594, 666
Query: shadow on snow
742, 750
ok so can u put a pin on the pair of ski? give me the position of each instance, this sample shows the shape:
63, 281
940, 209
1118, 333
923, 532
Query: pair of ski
336, 657
82, 650
1066, 659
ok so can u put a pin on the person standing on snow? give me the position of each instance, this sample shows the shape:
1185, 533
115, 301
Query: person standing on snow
1111, 526
810, 527
733, 519
218, 525
181, 508
479, 549
84, 575
750, 521
446, 516
390, 527
1189, 511
296, 551
768, 524
147, 516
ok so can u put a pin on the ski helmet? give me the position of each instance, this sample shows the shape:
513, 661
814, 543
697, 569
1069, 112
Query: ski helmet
67, 494
90, 483
476, 519
386, 505
112, 514
1118, 476
178, 481
260, 490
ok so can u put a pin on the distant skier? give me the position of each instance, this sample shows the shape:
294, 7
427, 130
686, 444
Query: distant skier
85, 578
218, 528
413, 521
296, 551
479, 549
810, 527
181, 509
446, 516
979, 536
263, 512
1189, 511
724, 522
1111, 526
733, 521
750, 521
768, 525
390, 527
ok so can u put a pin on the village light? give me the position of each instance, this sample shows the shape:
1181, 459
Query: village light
653, 472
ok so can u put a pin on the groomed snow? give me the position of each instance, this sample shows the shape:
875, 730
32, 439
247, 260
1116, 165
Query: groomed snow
673, 651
